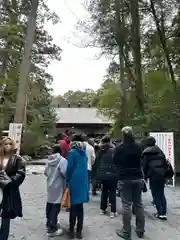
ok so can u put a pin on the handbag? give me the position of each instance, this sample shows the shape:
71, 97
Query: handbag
65, 201
169, 172
4, 179
10, 205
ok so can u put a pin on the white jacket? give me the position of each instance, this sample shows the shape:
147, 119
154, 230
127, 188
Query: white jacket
91, 155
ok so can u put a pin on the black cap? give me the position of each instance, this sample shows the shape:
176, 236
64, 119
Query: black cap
150, 141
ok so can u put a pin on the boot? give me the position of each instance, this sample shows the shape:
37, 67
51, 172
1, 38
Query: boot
123, 235
140, 234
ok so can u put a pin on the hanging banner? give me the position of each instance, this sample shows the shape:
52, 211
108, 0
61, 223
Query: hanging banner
165, 141
15, 131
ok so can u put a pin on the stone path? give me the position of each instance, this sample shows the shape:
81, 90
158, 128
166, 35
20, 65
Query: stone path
96, 227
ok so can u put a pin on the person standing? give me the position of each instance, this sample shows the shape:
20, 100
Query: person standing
127, 158
65, 144
154, 167
107, 174
55, 172
94, 171
143, 142
90, 155
65, 147
77, 179
93, 179
12, 175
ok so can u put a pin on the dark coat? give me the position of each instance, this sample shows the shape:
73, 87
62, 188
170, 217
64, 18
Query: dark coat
154, 163
11, 205
143, 144
127, 158
96, 163
106, 169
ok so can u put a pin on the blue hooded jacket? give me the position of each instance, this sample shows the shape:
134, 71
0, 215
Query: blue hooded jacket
77, 175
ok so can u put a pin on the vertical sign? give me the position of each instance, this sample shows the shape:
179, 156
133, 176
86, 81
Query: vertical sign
15, 130
165, 141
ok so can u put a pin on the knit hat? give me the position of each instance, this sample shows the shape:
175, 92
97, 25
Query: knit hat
127, 130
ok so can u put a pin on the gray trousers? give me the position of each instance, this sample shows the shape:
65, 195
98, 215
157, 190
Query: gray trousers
131, 194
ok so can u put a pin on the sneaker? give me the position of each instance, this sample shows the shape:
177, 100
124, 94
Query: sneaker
58, 225
102, 212
59, 232
140, 234
157, 216
113, 215
163, 217
79, 235
123, 235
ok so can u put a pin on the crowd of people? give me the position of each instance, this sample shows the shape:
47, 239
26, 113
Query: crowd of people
126, 167
80, 165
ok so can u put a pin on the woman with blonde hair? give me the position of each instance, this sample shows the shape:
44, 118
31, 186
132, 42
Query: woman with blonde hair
12, 174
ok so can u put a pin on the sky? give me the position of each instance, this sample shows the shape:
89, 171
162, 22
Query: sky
79, 68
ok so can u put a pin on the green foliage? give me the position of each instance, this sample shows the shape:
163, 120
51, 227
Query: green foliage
109, 98
34, 138
13, 23
85, 98
159, 38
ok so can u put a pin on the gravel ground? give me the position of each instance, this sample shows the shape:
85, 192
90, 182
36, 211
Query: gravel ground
96, 227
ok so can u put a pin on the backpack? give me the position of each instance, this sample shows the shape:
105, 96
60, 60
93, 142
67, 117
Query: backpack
107, 169
169, 172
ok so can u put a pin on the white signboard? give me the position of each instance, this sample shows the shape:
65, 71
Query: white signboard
165, 141
15, 131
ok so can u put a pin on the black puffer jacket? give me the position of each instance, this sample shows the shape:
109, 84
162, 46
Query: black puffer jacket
154, 163
106, 169
143, 144
96, 164
127, 158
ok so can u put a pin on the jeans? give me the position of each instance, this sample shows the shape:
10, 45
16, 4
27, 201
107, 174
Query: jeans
52, 211
131, 194
76, 213
157, 190
108, 191
5, 227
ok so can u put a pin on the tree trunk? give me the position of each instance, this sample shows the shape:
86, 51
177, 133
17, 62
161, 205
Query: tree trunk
120, 38
129, 69
162, 38
136, 45
25, 65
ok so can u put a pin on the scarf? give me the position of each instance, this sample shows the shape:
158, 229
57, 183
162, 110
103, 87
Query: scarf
76, 144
